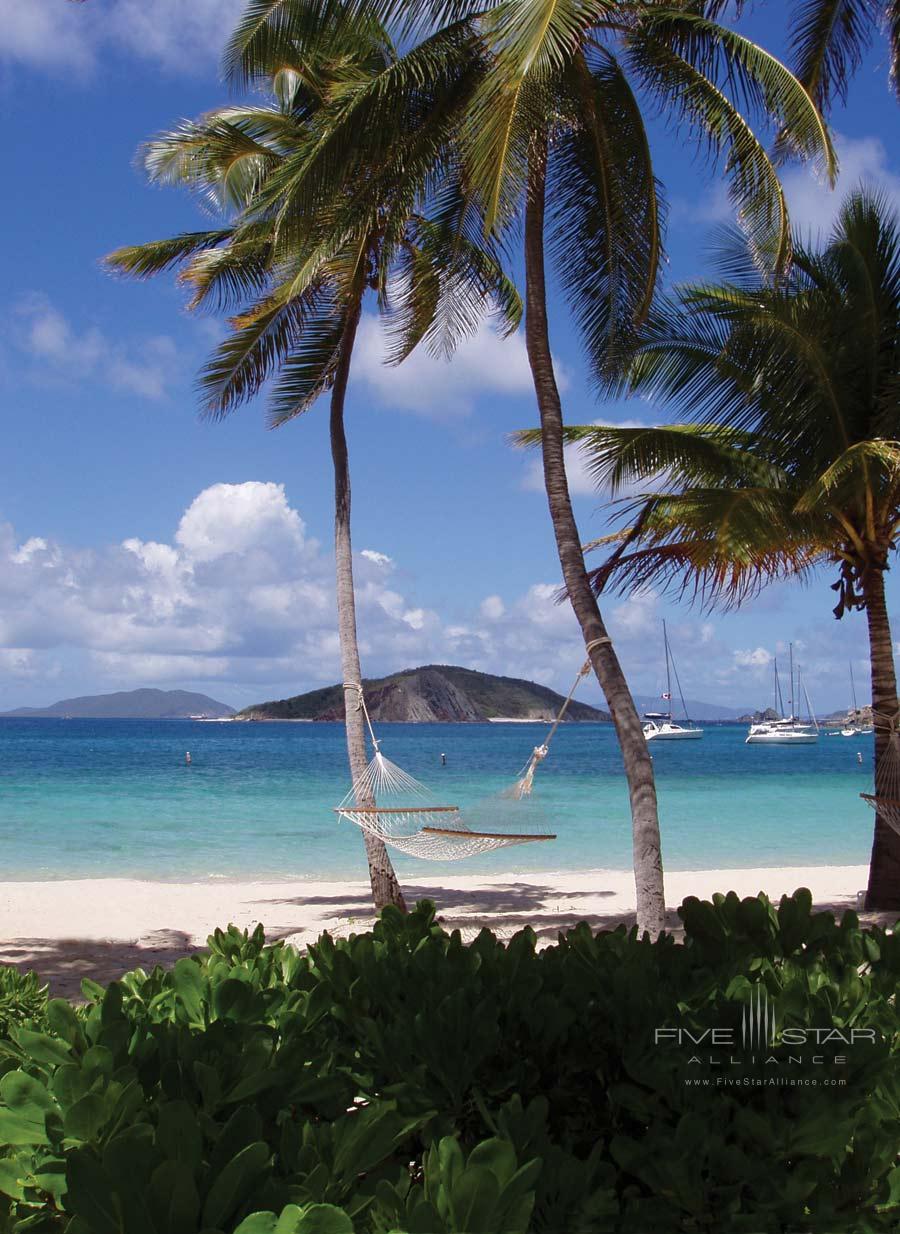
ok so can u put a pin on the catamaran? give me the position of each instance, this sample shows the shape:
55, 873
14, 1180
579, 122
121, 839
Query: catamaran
789, 730
659, 725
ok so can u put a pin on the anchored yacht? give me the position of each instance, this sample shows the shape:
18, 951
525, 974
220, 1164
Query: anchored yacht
659, 725
790, 730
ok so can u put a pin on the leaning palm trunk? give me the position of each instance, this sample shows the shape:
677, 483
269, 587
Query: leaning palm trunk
884, 869
385, 888
648, 873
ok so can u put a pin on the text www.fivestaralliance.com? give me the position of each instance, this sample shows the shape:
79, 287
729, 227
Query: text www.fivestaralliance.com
772, 1081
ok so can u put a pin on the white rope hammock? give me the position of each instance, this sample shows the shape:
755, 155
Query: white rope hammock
885, 801
389, 804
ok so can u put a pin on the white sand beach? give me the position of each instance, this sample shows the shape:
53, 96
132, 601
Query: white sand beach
101, 928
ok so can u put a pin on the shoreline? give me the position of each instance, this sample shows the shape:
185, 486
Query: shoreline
103, 927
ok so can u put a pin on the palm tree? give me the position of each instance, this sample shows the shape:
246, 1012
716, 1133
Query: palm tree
295, 287
556, 132
790, 457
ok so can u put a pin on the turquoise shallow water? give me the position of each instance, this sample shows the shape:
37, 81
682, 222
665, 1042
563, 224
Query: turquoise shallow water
81, 798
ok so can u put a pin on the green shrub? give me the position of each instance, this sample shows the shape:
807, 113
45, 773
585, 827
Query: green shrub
403, 1081
22, 999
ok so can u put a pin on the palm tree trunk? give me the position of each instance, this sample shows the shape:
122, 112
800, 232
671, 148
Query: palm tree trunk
884, 867
648, 873
385, 888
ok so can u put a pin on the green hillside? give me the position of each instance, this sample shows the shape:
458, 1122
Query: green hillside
430, 693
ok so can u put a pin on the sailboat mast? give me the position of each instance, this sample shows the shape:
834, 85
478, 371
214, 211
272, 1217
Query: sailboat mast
853, 693
779, 706
668, 670
791, 695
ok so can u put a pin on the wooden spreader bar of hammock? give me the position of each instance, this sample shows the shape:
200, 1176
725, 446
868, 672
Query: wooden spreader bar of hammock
397, 810
487, 835
875, 800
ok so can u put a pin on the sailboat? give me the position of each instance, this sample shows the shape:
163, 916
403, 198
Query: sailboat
789, 730
659, 725
855, 728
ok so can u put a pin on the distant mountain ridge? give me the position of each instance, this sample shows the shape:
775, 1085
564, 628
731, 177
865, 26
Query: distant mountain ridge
146, 704
697, 710
433, 693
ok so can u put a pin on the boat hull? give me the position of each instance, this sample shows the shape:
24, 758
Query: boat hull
684, 734
781, 739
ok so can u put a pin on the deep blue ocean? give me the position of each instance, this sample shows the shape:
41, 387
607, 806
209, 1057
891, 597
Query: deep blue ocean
82, 798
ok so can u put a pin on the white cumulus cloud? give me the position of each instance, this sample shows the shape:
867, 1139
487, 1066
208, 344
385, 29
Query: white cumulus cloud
812, 204
485, 364
184, 36
865, 160
241, 596
63, 352
758, 657
235, 518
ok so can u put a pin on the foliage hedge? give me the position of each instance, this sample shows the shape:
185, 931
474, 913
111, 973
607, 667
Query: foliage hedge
403, 1081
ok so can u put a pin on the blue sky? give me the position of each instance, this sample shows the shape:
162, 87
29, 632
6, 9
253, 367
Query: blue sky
140, 546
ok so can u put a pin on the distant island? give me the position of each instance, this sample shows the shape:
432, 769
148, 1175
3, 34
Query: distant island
759, 717
434, 693
130, 705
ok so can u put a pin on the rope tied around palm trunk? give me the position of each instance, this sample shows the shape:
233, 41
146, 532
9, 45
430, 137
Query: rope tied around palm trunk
361, 706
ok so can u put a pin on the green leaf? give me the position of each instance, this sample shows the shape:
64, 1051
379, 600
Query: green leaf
310, 1219
13, 1171
42, 1048
236, 1183
258, 1223
174, 1198
63, 1021
191, 988
91, 1193
87, 1117
178, 1133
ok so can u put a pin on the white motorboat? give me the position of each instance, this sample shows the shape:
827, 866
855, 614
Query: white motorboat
661, 728
789, 730
659, 725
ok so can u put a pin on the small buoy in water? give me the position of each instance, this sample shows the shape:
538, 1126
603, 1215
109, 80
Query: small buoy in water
859, 756
443, 760
187, 758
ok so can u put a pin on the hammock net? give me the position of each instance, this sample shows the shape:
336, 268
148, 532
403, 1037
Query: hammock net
391, 805
886, 798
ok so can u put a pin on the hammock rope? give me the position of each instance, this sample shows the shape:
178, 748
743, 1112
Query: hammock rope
885, 801
394, 807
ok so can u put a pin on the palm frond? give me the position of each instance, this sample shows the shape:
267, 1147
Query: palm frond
717, 547
687, 454
309, 38
606, 207
309, 370
446, 285
225, 278
376, 139
754, 186
863, 468
761, 80
156, 256
255, 348
892, 18
828, 39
